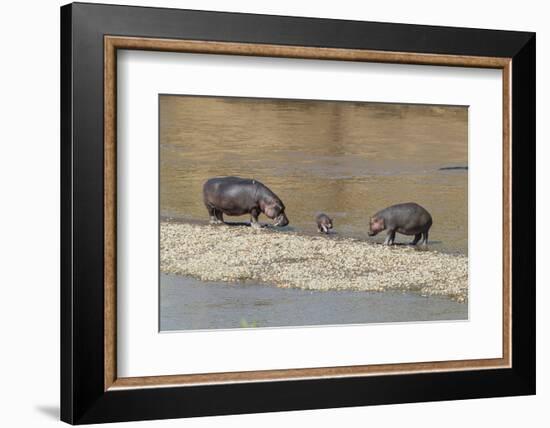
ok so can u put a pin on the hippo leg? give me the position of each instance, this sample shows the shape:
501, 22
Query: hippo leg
390, 237
212, 213
425, 238
254, 213
416, 238
219, 216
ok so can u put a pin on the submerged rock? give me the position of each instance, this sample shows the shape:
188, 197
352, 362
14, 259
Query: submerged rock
453, 168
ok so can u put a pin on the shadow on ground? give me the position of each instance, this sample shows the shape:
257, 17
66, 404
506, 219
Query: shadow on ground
49, 410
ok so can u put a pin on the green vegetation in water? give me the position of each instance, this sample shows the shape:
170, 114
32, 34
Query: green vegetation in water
246, 324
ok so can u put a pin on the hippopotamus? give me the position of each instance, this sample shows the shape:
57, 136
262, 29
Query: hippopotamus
324, 222
408, 218
235, 196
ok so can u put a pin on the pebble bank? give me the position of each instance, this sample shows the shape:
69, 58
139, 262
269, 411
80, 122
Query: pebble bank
290, 259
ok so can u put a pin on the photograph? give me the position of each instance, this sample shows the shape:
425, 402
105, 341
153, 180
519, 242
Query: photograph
294, 212
278, 210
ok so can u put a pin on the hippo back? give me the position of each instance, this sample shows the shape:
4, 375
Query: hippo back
248, 191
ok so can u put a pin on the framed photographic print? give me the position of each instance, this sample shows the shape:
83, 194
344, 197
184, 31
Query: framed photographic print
264, 213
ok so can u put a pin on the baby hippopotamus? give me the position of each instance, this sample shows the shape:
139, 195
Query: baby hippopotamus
324, 222
408, 219
235, 196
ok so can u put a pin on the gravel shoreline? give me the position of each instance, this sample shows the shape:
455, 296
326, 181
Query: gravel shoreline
239, 253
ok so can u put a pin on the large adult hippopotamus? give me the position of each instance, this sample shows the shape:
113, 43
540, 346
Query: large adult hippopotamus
408, 218
238, 196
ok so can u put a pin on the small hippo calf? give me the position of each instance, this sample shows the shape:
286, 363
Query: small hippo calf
324, 222
408, 219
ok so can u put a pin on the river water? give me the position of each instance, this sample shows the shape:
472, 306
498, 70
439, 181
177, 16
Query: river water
346, 159
190, 304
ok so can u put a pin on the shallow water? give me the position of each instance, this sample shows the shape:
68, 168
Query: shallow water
190, 304
346, 159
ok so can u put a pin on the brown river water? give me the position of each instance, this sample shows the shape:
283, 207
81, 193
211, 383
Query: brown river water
346, 159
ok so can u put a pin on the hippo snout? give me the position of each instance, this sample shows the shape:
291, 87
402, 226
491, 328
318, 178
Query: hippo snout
281, 220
